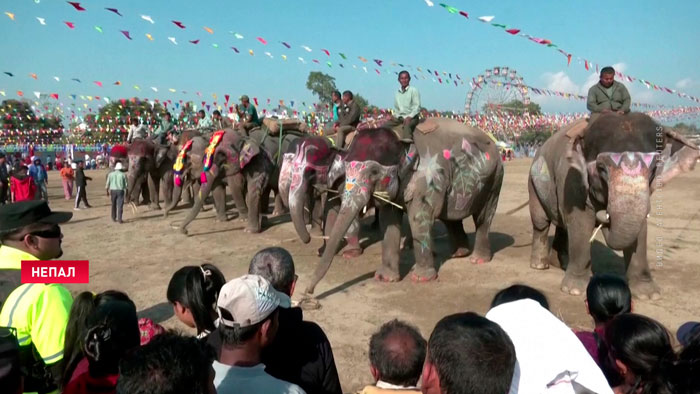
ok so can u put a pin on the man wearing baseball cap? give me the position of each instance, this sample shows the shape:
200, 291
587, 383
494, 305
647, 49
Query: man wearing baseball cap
248, 115
248, 321
29, 230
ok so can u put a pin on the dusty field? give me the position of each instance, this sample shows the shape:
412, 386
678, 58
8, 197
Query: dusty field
139, 256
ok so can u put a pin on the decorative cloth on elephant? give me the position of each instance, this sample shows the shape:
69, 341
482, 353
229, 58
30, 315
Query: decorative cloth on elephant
275, 125
209, 153
427, 126
180, 162
550, 358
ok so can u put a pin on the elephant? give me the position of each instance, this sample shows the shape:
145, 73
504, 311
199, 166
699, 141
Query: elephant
245, 160
450, 172
153, 162
190, 173
606, 180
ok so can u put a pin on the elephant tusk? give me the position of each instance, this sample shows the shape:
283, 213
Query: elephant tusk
602, 216
386, 200
595, 233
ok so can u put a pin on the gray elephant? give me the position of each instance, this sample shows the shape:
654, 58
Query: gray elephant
152, 163
607, 180
243, 160
452, 171
187, 175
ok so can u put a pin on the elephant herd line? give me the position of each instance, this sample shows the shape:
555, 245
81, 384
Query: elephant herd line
452, 171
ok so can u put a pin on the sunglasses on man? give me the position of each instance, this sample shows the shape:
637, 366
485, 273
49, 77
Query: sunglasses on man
53, 232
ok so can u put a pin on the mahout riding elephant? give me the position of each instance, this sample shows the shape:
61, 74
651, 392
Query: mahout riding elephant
154, 163
608, 180
251, 160
452, 171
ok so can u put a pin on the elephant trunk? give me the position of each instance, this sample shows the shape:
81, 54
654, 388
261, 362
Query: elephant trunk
297, 202
285, 181
177, 194
627, 215
349, 210
199, 200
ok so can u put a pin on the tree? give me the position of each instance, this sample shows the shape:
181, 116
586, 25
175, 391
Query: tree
513, 107
322, 85
687, 129
19, 115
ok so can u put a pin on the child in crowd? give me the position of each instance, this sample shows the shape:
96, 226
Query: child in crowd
193, 291
67, 178
22, 186
606, 297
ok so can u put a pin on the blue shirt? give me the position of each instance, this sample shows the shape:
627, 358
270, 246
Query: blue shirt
38, 173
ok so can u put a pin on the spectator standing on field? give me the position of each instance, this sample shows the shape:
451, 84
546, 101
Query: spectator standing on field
116, 188
67, 179
81, 182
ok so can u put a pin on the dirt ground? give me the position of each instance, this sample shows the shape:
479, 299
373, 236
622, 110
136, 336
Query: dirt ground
139, 257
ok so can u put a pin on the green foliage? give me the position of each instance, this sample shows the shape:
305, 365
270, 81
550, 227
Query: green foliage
535, 135
19, 115
687, 129
322, 85
514, 107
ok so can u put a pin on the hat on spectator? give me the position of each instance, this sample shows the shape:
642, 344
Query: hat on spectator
118, 166
249, 300
245, 98
23, 213
687, 331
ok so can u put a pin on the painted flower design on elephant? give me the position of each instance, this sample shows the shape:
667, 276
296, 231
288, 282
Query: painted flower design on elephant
352, 179
468, 167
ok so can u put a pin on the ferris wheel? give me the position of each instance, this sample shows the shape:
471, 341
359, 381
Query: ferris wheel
494, 90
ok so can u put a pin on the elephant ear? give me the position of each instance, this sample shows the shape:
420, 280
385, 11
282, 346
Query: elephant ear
678, 156
249, 150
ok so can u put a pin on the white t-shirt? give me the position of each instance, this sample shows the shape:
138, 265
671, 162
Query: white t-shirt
230, 379
550, 358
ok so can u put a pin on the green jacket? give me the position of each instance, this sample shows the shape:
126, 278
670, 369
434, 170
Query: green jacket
116, 180
407, 103
598, 99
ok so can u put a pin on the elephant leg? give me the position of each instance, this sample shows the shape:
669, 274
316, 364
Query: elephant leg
279, 205
316, 217
192, 191
421, 219
332, 209
458, 238
237, 184
391, 227
352, 237
219, 193
154, 192
407, 240
482, 223
638, 274
580, 224
256, 184
265, 201
559, 255
540, 232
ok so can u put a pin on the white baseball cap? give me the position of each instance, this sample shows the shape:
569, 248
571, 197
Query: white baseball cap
249, 300
118, 166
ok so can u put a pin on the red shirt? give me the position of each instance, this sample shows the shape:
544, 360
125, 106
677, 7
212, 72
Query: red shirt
22, 189
86, 384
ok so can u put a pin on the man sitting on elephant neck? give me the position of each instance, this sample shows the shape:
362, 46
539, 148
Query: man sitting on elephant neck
608, 95
203, 122
219, 121
166, 127
248, 115
407, 103
348, 118
137, 130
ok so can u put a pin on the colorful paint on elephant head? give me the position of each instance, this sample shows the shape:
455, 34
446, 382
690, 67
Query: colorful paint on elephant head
180, 162
628, 176
336, 170
209, 153
362, 178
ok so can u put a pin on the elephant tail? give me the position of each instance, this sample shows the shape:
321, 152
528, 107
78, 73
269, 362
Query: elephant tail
519, 207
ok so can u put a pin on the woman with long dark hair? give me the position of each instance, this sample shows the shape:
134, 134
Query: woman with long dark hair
193, 291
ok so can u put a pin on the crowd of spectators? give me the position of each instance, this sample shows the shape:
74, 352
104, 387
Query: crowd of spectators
250, 339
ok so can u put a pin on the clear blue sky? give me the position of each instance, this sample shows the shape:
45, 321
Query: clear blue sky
650, 40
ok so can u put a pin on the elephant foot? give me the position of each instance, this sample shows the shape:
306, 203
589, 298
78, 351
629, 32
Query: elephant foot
154, 207
386, 274
252, 230
574, 285
316, 230
221, 219
320, 250
541, 264
351, 253
276, 213
422, 274
460, 252
480, 258
183, 231
644, 289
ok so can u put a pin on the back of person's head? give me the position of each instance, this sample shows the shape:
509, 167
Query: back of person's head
112, 331
277, 266
396, 353
641, 349
686, 374
196, 289
519, 292
169, 364
468, 353
608, 296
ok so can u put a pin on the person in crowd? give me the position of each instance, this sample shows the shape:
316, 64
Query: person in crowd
193, 291
337, 103
300, 353
67, 179
219, 122
29, 230
169, 364
248, 115
81, 182
116, 189
22, 186
608, 95
407, 104
687, 332
41, 179
468, 353
686, 373
10, 364
203, 122
166, 126
607, 296
640, 349
539, 335
396, 356
4, 179
136, 130
349, 117
112, 331
248, 322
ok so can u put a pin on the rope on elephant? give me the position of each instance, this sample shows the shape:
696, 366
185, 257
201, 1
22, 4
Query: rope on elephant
519, 207
595, 233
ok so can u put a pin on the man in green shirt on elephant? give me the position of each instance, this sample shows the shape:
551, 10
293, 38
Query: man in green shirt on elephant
166, 127
248, 115
608, 95
407, 104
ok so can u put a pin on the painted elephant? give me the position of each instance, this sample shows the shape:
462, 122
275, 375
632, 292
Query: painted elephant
452, 171
153, 163
190, 174
250, 160
608, 180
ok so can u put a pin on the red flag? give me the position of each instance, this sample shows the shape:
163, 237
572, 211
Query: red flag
568, 60
585, 62
98, 83
226, 96
326, 51
464, 14
54, 95
179, 24
262, 40
378, 72
70, 25
76, 5
20, 93
513, 31
255, 100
